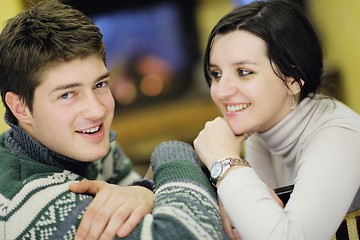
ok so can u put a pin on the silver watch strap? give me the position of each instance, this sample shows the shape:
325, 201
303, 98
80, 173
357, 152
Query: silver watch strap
238, 161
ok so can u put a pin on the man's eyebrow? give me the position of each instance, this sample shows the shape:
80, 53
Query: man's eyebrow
72, 85
103, 76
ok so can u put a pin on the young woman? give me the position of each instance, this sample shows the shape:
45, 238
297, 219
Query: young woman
264, 63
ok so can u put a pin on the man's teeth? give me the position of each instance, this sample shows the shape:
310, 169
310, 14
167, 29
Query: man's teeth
238, 107
91, 130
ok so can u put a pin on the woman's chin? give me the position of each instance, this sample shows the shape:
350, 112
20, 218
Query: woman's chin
246, 133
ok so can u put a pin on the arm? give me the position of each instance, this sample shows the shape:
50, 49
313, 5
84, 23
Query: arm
229, 226
115, 210
183, 198
183, 195
259, 157
325, 185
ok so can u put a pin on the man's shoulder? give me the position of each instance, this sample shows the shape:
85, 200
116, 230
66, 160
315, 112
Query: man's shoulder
43, 204
21, 169
35, 186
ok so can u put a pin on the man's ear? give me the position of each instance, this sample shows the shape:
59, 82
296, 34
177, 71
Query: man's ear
18, 107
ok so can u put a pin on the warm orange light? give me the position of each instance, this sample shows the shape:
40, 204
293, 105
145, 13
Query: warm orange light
124, 92
152, 85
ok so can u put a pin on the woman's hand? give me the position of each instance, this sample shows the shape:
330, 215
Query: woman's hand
115, 210
217, 141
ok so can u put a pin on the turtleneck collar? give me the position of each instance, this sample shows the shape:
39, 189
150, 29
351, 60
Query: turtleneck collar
19, 142
284, 136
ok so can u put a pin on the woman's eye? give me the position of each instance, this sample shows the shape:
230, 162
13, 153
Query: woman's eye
243, 72
67, 95
215, 74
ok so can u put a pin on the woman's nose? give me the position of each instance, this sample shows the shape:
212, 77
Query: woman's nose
225, 87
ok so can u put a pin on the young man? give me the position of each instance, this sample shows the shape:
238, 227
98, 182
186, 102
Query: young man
55, 87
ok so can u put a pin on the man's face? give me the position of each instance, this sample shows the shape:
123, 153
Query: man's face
73, 109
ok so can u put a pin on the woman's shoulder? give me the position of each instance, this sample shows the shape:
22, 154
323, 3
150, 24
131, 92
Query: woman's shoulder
332, 112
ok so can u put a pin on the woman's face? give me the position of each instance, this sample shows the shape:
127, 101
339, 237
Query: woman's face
244, 86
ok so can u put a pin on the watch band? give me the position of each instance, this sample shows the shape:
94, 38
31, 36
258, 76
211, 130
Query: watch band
226, 164
238, 161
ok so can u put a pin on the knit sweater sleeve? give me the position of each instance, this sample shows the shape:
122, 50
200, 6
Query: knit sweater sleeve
185, 204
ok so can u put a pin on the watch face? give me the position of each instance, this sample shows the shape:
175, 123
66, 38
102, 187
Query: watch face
216, 170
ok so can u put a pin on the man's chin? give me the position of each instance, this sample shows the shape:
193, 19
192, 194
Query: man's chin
92, 156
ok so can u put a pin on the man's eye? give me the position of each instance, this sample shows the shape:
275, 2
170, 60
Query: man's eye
66, 95
243, 72
101, 84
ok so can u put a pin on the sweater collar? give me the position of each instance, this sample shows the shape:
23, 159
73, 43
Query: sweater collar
19, 142
284, 136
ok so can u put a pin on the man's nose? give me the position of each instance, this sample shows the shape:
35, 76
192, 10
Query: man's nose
93, 107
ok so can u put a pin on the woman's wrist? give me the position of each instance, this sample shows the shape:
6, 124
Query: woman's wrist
231, 169
222, 166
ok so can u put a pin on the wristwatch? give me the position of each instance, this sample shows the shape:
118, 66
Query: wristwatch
220, 167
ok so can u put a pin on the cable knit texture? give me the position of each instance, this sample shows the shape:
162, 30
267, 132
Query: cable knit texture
173, 150
35, 202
